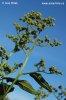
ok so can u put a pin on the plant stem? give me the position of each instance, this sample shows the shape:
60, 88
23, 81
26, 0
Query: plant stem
2, 64
20, 73
36, 72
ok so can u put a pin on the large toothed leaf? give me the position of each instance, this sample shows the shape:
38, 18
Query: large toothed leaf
23, 84
41, 81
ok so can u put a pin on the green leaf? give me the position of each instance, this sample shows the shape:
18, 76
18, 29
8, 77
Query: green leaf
4, 87
23, 84
41, 81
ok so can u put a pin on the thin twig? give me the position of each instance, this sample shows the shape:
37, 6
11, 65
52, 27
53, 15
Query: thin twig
36, 72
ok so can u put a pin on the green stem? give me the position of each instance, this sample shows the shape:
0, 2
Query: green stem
24, 51
36, 72
20, 73
2, 64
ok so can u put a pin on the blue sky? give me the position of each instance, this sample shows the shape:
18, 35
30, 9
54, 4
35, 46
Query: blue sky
53, 56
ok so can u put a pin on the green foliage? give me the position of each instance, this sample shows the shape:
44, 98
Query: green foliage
47, 39
42, 94
23, 84
2, 52
41, 81
54, 70
29, 34
55, 43
4, 87
60, 92
28, 37
40, 64
35, 19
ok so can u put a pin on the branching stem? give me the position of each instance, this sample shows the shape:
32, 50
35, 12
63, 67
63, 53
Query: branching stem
21, 70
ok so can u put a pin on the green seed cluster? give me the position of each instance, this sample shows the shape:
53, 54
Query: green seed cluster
35, 19
41, 64
60, 92
2, 52
54, 70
